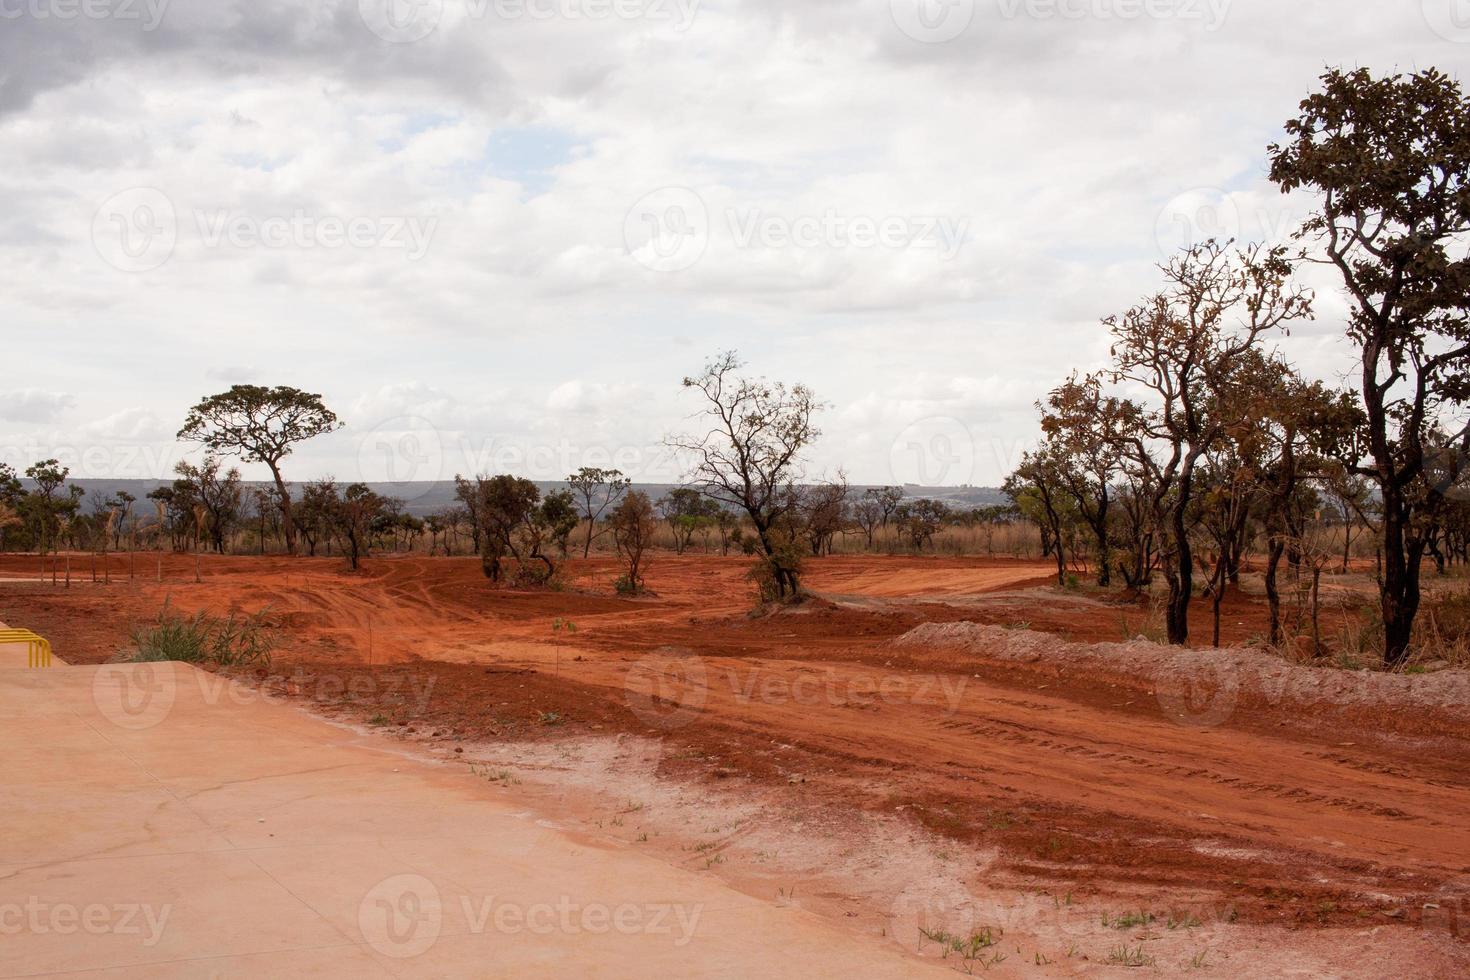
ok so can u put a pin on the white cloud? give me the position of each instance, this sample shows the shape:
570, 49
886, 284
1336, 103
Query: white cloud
33, 405
1058, 146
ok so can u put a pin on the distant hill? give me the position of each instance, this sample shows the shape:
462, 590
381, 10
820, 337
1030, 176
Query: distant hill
423, 498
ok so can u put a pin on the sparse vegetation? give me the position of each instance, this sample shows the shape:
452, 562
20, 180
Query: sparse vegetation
229, 641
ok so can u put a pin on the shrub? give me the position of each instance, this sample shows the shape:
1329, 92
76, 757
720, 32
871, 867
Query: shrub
231, 641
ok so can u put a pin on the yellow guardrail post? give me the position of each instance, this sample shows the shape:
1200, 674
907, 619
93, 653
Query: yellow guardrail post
38, 648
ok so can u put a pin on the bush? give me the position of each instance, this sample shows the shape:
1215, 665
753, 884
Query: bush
626, 586
232, 641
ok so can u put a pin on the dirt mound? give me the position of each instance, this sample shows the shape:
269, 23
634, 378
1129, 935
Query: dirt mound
1203, 687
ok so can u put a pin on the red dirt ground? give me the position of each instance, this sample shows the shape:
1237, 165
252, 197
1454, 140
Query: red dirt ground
1076, 781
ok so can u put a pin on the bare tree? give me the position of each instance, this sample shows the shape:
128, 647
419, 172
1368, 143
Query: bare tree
751, 456
1182, 347
220, 495
633, 524
824, 512
596, 490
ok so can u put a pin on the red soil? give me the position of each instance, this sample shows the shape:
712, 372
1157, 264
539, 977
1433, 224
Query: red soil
1078, 781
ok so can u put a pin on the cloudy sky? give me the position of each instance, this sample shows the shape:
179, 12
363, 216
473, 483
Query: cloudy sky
494, 234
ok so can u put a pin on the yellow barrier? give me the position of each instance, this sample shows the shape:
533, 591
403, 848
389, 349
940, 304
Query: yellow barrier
38, 648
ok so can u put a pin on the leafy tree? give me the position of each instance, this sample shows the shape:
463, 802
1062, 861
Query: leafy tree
1086, 429
633, 523
45, 506
1389, 159
685, 511
1038, 490
260, 425
314, 513
11, 495
920, 520
751, 455
596, 490
515, 522
355, 516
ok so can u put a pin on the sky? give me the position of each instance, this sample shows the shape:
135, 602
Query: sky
494, 235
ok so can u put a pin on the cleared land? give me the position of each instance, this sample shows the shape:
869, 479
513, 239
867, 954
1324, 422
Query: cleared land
873, 757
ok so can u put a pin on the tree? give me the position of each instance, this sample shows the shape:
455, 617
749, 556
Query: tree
45, 509
313, 513
504, 504
260, 425
1389, 159
355, 517
1086, 429
1183, 348
121, 503
266, 512
1037, 489
596, 490
751, 455
824, 513
11, 495
514, 521
919, 520
633, 525
220, 496
685, 511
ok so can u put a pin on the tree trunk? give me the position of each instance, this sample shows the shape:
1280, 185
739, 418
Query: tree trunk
1181, 582
1400, 583
288, 525
1273, 595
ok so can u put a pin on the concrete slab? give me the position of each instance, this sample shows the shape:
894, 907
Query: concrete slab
162, 823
